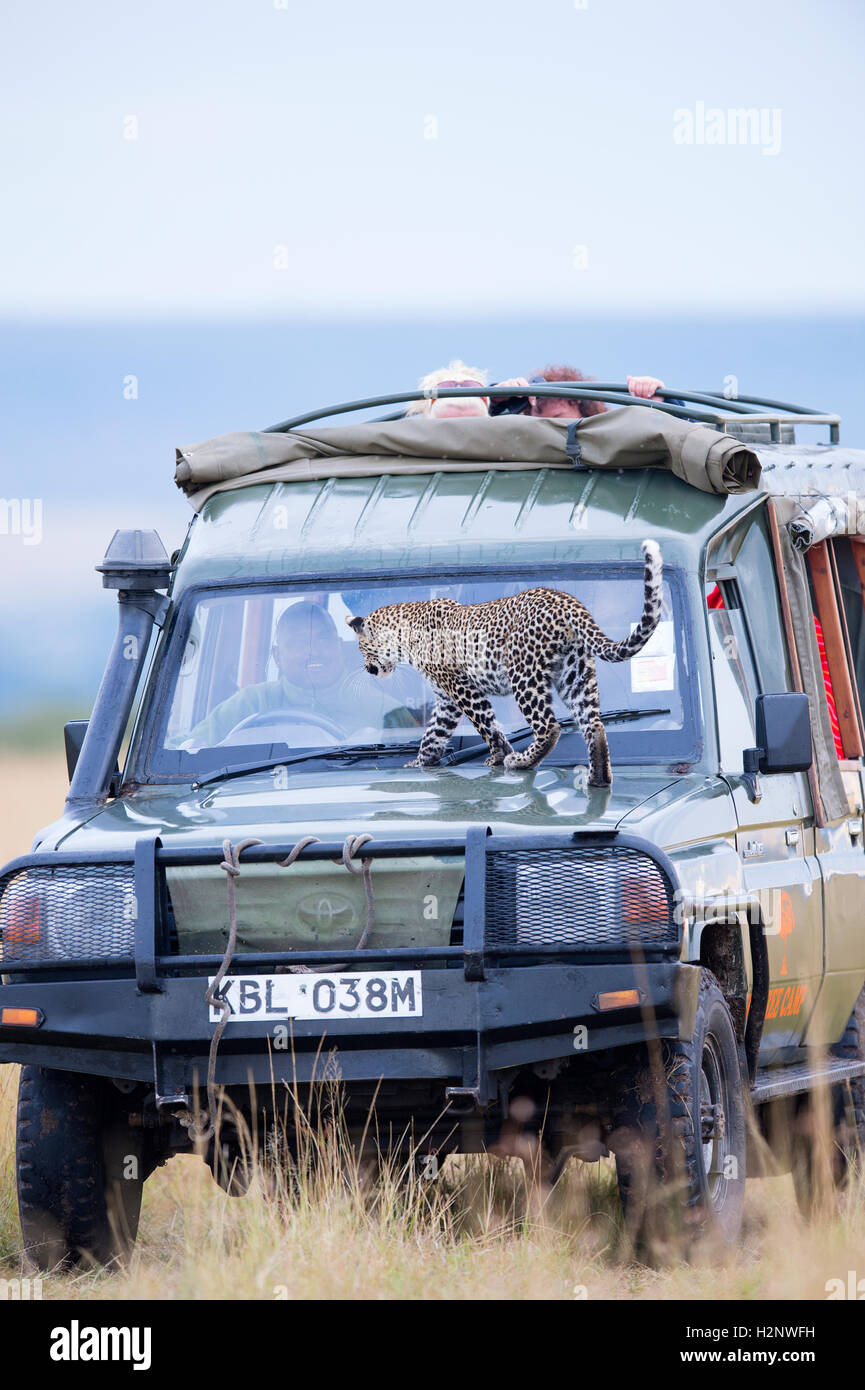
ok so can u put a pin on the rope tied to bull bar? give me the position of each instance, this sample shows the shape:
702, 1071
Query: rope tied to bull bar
286, 863
353, 845
231, 865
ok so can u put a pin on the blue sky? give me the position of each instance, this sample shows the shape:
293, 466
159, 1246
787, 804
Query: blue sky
281, 163
282, 233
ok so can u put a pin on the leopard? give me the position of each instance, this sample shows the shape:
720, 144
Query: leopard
529, 645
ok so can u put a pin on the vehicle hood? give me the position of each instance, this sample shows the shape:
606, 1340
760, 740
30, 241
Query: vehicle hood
390, 804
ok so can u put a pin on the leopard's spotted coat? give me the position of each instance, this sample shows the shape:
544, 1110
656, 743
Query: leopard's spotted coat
528, 645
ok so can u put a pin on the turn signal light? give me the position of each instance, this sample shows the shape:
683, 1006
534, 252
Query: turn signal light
21, 1018
22, 922
619, 999
643, 903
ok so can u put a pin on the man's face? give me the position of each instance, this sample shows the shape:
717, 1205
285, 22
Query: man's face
456, 406
453, 407
306, 651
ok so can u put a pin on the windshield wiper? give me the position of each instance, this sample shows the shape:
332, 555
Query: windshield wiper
348, 750
613, 716
619, 716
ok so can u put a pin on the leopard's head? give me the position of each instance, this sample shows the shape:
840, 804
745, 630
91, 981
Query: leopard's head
378, 640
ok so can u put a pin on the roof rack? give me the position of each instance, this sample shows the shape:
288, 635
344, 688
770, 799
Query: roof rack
722, 411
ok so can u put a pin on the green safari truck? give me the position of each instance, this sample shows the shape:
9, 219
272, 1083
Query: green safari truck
263, 898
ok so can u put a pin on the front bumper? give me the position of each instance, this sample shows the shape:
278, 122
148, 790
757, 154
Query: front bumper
470, 1029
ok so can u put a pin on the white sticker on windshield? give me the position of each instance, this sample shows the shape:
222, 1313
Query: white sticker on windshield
654, 668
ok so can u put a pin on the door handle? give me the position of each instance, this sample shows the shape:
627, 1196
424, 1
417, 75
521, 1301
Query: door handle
855, 829
791, 835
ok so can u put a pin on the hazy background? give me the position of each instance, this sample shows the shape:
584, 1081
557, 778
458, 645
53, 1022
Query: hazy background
220, 214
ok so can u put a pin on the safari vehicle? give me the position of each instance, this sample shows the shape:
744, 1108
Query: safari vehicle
266, 897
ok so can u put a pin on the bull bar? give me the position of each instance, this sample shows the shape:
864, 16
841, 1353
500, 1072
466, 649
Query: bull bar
487, 1007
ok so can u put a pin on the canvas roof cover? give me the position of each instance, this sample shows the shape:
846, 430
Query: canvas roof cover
826, 482
632, 437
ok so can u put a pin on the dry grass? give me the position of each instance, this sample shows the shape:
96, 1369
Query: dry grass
467, 1235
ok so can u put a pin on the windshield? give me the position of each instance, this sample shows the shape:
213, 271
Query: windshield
270, 671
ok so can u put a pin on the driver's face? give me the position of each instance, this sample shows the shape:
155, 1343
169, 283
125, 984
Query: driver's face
307, 653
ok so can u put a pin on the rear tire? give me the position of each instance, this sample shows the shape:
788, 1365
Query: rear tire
829, 1131
679, 1133
80, 1169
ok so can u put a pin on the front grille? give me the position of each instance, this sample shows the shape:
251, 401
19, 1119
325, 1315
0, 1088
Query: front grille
68, 913
588, 898
592, 898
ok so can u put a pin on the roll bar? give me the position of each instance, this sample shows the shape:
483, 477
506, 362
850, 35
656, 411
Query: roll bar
721, 409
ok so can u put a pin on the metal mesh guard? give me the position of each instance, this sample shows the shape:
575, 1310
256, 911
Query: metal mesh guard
594, 898
74, 912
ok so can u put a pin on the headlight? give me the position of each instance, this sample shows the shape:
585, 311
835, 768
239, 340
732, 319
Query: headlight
69, 913
593, 897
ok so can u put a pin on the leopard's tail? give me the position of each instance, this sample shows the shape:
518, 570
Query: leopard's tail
608, 650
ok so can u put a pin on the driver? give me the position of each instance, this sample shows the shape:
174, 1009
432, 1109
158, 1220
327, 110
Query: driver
308, 655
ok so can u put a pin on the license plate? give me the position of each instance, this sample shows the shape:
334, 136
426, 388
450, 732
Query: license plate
274, 998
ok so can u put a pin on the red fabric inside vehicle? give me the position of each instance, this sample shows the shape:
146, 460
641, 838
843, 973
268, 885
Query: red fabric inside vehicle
715, 599
830, 695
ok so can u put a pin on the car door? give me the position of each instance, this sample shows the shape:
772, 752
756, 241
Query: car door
776, 835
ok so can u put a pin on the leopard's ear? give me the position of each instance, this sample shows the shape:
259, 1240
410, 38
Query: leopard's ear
356, 624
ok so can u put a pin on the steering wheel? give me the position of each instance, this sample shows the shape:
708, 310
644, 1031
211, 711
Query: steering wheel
302, 716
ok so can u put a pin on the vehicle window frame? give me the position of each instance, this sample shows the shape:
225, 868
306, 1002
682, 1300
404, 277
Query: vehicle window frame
827, 602
728, 750
856, 544
146, 742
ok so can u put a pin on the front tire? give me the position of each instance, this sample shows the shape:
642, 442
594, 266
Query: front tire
679, 1133
80, 1169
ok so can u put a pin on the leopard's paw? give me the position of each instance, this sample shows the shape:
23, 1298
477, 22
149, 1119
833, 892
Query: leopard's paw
416, 762
500, 750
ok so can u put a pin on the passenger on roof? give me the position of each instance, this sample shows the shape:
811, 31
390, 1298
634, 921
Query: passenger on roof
557, 406
455, 374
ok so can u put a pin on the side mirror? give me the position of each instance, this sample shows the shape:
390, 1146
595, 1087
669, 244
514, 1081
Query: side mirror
784, 738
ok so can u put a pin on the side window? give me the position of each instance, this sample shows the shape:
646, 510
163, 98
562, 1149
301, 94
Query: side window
732, 670
747, 641
761, 609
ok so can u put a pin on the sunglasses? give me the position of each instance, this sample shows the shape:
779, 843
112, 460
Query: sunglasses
470, 382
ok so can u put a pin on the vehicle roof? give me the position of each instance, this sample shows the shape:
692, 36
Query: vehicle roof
384, 524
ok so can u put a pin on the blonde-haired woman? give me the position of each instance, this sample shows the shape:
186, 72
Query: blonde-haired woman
456, 373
